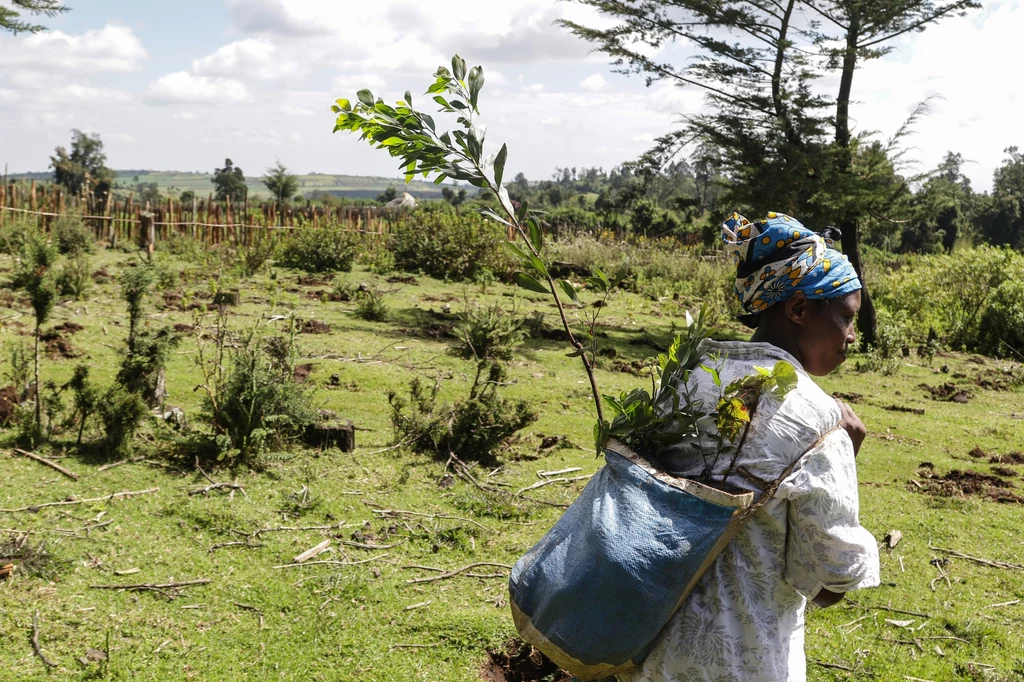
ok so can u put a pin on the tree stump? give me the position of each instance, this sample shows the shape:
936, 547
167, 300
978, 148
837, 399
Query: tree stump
147, 233
323, 436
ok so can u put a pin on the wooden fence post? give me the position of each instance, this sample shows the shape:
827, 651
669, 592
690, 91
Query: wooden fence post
147, 233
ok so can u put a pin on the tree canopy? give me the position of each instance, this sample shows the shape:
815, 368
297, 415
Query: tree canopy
11, 17
85, 167
280, 183
230, 182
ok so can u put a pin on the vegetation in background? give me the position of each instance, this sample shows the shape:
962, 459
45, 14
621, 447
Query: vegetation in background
327, 249
281, 184
230, 182
84, 167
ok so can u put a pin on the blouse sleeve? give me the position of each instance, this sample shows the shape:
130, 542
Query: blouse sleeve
826, 547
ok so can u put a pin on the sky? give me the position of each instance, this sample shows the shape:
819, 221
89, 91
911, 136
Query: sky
184, 85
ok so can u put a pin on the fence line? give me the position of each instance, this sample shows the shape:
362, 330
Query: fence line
204, 220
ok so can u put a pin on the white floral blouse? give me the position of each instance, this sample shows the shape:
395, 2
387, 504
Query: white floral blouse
745, 620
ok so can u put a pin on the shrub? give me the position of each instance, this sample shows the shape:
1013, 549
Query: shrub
75, 276
1002, 323
71, 235
121, 413
380, 261
12, 236
252, 258
887, 353
325, 249
442, 244
490, 332
371, 306
255, 403
142, 367
471, 428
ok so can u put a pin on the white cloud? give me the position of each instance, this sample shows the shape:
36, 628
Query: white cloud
187, 116
351, 82
252, 58
290, 110
594, 83
182, 87
552, 121
108, 50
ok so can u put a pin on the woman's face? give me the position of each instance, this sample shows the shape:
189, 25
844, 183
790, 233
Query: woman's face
827, 333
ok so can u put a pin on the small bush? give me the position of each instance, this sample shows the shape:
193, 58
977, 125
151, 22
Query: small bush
380, 261
472, 428
121, 413
325, 249
252, 258
490, 332
886, 356
371, 306
75, 276
71, 235
1001, 331
142, 367
256, 404
442, 244
12, 236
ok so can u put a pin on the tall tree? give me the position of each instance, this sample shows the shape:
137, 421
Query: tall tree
280, 183
864, 30
1003, 219
84, 167
230, 182
758, 63
10, 17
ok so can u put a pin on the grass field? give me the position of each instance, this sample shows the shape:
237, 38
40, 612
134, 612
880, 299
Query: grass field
935, 617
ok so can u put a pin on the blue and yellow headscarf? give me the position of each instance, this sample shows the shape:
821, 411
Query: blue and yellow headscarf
777, 256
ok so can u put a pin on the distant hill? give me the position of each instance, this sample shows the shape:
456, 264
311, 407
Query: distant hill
173, 183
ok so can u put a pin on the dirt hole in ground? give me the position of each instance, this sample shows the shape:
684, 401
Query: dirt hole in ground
312, 281
302, 372
853, 398
993, 458
56, 346
517, 661
315, 327
8, 404
947, 392
963, 484
69, 328
634, 367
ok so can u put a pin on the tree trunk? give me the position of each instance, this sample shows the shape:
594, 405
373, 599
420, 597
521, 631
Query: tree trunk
867, 320
39, 388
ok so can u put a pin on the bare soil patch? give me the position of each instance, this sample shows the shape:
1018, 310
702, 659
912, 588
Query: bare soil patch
517, 661
8, 403
963, 484
634, 367
947, 392
315, 327
68, 328
302, 372
852, 398
56, 346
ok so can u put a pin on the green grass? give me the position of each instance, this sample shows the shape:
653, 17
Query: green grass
327, 622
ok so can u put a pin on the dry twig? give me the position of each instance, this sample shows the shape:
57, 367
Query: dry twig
169, 590
978, 560
42, 460
120, 462
451, 574
333, 563
250, 607
887, 608
111, 496
35, 642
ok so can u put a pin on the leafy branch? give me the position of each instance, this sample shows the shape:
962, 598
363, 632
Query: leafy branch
412, 136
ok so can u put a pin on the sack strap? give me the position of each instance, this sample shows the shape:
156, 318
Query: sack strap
773, 487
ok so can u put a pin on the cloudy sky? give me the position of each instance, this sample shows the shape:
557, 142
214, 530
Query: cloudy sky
181, 86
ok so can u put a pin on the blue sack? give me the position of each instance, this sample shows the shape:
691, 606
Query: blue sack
597, 589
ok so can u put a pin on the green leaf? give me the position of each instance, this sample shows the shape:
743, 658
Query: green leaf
476, 82
785, 377
604, 279
442, 101
459, 67
536, 233
408, 98
494, 216
538, 265
570, 291
366, 97
525, 257
499, 164
714, 375
392, 141
524, 210
530, 282
344, 104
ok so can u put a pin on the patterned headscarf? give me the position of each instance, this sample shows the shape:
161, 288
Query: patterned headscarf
777, 256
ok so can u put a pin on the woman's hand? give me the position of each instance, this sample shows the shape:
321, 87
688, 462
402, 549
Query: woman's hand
853, 425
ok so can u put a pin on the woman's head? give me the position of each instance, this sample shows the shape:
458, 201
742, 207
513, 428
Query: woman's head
798, 291
817, 332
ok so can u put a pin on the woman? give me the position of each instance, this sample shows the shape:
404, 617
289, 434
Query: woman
745, 620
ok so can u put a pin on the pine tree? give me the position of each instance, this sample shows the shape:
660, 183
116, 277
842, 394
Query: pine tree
10, 17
